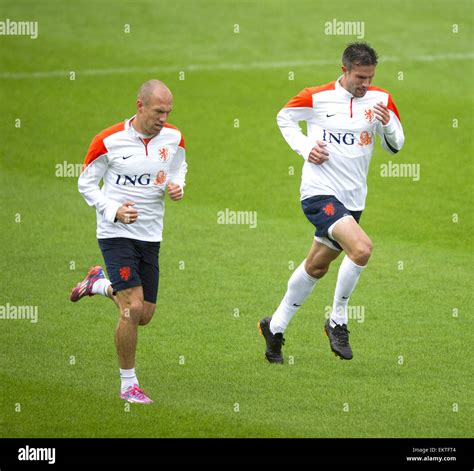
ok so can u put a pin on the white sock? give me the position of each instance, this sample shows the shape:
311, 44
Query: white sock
300, 286
128, 378
101, 287
347, 279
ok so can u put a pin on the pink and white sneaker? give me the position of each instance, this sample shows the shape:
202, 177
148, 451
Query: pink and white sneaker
135, 394
84, 288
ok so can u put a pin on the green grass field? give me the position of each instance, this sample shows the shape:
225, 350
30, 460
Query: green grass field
411, 375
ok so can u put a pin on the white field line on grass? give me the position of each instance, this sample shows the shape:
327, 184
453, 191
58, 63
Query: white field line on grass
224, 66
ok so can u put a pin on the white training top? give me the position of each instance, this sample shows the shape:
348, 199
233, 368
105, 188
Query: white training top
133, 169
348, 126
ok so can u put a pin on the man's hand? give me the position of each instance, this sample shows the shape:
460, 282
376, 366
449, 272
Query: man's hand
318, 154
126, 213
175, 192
382, 113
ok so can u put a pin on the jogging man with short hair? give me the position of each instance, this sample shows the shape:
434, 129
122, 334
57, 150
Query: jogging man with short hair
139, 160
343, 118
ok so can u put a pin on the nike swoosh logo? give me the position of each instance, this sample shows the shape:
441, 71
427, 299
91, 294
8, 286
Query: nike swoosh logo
297, 305
127, 157
345, 297
329, 115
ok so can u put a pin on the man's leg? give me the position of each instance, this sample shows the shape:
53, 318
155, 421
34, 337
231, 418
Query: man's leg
358, 248
122, 257
302, 283
137, 306
97, 283
110, 294
148, 308
94, 283
300, 286
131, 309
147, 314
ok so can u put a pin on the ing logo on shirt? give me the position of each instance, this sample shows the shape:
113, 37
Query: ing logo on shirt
346, 138
163, 153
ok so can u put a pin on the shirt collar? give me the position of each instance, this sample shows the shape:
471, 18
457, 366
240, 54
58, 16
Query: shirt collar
128, 124
129, 127
341, 90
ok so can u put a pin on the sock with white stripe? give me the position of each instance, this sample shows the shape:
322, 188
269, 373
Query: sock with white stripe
300, 286
347, 279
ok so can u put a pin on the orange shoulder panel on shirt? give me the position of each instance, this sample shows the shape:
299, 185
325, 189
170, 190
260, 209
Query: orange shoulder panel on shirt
304, 99
97, 147
390, 104
181, 142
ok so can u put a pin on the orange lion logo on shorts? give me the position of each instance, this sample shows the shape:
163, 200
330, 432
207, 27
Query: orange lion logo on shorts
365, 138
125, 273
329, 209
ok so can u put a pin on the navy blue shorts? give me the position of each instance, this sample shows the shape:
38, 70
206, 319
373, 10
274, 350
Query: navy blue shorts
132, 263
323, 211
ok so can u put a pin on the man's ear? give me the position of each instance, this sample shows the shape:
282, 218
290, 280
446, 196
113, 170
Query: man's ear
344, 69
